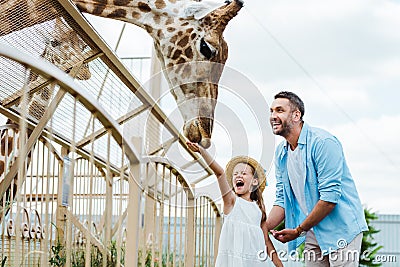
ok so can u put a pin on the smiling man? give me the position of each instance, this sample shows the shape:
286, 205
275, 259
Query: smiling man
315, 192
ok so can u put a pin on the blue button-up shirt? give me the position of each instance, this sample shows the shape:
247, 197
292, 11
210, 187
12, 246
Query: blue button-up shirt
327, 178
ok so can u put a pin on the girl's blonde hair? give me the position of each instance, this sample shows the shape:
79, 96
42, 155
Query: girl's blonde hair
256, 195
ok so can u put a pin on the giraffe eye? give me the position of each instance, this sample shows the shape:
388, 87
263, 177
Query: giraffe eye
55, 43
206, 50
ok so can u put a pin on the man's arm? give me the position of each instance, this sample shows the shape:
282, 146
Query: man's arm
275, 217
320, 211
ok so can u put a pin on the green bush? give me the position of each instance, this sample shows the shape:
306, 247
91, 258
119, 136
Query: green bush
166, 260
368, 243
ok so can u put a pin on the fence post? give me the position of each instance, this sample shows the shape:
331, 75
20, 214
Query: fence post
132, 229
190, 246
61, 214
217, 233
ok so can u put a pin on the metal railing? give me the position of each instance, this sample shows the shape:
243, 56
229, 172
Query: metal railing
67, 205
207, 231
59, 201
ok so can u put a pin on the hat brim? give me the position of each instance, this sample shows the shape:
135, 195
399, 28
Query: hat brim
247, 160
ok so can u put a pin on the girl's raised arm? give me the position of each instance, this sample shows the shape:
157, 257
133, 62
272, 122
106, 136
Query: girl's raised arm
226, 191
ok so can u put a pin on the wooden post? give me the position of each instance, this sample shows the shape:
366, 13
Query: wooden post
217, 233
132, 230
190, 246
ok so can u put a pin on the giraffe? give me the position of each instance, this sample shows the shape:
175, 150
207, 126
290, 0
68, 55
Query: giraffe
62, 48
16, 15
186, 37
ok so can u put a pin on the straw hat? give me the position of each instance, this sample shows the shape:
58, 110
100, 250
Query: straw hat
250, 161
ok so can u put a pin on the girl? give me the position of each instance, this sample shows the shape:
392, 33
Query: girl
242, 242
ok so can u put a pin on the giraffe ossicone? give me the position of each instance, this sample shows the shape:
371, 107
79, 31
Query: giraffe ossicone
188, 40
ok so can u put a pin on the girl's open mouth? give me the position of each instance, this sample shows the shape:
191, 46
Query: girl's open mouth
239, 184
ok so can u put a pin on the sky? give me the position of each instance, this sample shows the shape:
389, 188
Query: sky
341, 57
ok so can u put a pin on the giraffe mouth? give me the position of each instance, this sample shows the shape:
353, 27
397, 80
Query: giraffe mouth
199, 131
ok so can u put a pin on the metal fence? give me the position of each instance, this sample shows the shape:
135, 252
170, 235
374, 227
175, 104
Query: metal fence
73, 206
388, 237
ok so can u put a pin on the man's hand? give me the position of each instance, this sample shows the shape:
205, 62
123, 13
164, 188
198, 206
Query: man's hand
285, 235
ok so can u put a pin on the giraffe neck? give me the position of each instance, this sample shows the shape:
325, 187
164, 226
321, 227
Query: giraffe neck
149, 15
16, 15
39, 102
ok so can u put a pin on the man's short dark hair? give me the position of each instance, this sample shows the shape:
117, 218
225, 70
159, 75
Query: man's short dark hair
295, 101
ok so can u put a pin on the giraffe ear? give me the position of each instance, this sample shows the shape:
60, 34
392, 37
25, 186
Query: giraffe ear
200, 9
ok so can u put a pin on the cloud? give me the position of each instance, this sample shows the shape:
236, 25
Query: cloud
334, 38
372, 156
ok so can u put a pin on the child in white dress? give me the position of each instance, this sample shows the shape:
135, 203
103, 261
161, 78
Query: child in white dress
242, 241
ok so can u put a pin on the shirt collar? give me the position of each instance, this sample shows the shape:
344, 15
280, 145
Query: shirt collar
303, 134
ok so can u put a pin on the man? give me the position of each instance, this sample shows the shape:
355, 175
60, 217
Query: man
315, 193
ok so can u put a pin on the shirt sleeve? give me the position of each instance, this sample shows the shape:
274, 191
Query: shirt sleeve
329, 161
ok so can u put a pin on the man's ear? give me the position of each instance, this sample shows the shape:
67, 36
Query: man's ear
296, 115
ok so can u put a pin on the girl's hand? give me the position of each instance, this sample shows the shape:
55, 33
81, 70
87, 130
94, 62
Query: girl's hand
193, 146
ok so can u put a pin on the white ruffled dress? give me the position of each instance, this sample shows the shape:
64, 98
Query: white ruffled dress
241, 236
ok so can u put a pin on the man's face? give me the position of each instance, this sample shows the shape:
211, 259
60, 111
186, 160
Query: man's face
281, 117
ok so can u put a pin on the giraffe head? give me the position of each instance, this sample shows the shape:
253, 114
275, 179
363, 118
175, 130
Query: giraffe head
64, 49
194, 57
187, 35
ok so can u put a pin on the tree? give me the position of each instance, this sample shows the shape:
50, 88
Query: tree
369, 247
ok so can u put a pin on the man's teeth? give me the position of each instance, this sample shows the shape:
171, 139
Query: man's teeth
275, 125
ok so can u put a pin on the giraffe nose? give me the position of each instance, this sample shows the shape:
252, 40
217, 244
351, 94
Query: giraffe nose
205, 142
191, 131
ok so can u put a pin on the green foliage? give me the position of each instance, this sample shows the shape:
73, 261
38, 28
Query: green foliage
148, 258
78, 257
166, 260
368, 244
96, 256
280, 226
112, 260
57, 255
